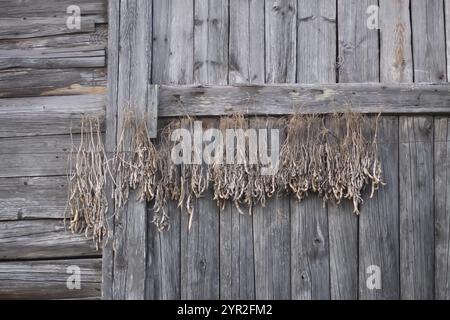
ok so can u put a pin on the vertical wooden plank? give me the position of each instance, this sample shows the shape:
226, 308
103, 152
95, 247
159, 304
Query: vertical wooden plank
200, 253
130, 223
281, 37
211, 42
237, 264
316, 61
428, 33
271, 224
246, 41
111, 134
173, 63
358, 45
379, 222
416, 208
442, 206
379, 218
395, 42
316, 41
447, 32
442, 190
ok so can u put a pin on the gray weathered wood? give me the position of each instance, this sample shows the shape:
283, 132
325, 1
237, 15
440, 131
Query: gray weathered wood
51, 82
237, 269
246, 51
310, 260
47, 115
110, 143
395, 42
272, 238
152, 111
442, 207
316, 41
96, 38
14, 28
416, 208
35, 156
131, 221
447, 32
51, 8
48, 279
211, 42
176, 101
281, 35
200, 253
358, 45
33, 198
343, 231
428, 36
78, 57
316, 59
42, 239
379, 222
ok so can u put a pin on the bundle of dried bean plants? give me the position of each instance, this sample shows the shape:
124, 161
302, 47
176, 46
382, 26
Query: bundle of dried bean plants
87, 204
335, 156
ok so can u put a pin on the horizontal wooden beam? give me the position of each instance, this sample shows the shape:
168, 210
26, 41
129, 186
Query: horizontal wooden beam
370, 98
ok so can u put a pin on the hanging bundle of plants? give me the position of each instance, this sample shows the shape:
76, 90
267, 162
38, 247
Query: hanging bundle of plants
335, 156
87, 203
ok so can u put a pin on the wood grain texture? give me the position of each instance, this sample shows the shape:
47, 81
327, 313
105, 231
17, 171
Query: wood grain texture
130, 227
42, 239
379, 222
78, 57
111, 141
200, 252
416, 208
246, 63
396, 63
442, 207
237, 264
281, 35
17, 83
211, 42
21, 117
33, 198
316, 63
358, 45
285, 99
447, 32
48, 279
428, 36
310, 260
35, 156
316, 41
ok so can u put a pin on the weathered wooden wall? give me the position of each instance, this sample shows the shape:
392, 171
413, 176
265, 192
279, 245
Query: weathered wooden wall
291, 250
49, 76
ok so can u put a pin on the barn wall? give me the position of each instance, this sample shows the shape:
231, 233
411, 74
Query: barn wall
49, 76
291, 250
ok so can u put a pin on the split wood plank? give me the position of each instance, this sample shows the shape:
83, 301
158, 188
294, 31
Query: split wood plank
33, 198
48, 279
42, 239
175, 101
316, 61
